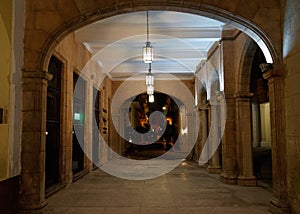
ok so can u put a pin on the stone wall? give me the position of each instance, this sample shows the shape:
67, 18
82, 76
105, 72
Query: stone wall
5, 72
9, 120
291, 56
74, 57
11, 34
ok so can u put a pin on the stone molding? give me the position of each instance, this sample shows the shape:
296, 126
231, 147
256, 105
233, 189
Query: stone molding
266, 67
273, 73
37, 74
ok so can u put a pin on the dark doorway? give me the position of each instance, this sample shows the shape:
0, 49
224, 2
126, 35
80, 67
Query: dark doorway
53, 123
261, 135
151, 128
96, 111
78, 124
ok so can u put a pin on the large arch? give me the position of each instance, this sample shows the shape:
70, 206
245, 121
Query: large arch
253, 20
42, 36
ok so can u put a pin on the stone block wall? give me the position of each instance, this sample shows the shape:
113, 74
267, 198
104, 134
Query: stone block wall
291, 55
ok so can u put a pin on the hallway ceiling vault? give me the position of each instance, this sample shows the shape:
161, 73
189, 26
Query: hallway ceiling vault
180, 41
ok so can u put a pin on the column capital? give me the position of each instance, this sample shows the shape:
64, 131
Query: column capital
220, 95
269, 71
244, 95
203, 106
214, 103
273, 73
229, 96
266, 67
37, 74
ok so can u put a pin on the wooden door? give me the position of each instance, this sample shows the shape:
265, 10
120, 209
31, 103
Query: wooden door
53, 123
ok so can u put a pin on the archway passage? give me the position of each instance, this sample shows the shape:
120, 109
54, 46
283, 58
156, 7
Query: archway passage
63, 27
261, 133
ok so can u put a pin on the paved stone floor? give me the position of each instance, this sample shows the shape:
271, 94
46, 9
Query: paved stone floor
186, 189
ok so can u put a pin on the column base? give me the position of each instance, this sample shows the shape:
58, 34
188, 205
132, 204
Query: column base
228, 180
247, 181
204, 166
279, 206
34, 209
214, 169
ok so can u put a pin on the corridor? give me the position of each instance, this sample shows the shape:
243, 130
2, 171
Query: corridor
186, 189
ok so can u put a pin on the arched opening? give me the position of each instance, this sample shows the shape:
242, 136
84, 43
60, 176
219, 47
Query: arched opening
261, 125
253, 31
111, 69
204, 10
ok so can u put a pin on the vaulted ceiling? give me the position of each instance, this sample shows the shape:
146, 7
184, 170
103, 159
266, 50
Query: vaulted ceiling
180, 41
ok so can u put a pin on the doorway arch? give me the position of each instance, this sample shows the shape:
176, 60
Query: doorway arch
246, 19
251, 19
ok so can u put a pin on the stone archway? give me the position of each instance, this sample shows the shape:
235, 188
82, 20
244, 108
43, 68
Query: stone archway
67, 16
244, 124
274, 76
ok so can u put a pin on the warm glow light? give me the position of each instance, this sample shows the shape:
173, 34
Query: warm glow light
149, 79
184, 131
148, 53
169, 120
151, 98
150, 89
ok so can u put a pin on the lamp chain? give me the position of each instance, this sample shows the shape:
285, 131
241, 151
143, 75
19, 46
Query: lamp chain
147, 26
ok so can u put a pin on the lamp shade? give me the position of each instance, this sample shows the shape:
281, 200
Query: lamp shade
150, 89
149, 79
148, 53
151, 98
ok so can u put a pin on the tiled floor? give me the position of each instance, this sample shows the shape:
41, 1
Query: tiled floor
186, 189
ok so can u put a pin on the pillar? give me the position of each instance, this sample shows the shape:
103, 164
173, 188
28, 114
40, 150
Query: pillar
214, 166
203, 132
88, 127
66, 126
32, 178
229, 156
228, 109
279, 202
245, 177
255, 125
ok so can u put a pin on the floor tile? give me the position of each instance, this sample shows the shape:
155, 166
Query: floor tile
187, 189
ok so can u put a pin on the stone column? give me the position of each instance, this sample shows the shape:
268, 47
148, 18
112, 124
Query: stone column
255, 125
245, 177
67, 128
214, 166
279, 203
229, 157
228, 108
88, 127
32, 180
203, 132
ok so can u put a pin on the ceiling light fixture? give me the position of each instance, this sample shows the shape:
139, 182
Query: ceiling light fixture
150, 84
151, 98
149, 77
148, 50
